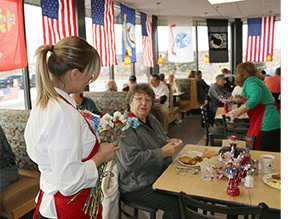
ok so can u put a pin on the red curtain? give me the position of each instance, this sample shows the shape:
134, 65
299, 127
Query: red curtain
13, 53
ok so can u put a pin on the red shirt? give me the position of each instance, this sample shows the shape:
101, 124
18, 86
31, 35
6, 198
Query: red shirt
274, 84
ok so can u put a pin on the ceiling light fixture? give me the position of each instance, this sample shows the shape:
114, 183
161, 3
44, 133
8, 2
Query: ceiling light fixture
127, 60
160, 60
206, 60
214, 2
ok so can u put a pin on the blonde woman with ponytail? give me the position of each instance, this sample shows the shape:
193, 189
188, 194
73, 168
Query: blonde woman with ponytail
58, 137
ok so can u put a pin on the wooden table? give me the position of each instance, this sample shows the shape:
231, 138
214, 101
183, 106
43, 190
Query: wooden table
220, 112
215, 190
177, 94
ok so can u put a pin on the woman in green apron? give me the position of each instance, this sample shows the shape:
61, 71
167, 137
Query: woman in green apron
259, 104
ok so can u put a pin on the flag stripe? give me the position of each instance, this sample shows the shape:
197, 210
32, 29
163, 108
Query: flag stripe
147, 42
104, 31
260, 42
59, 20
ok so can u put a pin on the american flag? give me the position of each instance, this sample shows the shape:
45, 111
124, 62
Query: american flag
11, 93
103, 19
260, 39
59, 20
147, 42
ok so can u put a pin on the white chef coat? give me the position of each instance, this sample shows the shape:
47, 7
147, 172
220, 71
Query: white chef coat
57, 139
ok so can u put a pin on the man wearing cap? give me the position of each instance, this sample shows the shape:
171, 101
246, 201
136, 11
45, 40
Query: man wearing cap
216, 91
131, 81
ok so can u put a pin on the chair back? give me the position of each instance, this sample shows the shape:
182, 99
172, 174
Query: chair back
249, 140
234, 128
189, 208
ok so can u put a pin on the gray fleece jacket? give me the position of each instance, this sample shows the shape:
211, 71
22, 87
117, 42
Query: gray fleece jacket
140, 161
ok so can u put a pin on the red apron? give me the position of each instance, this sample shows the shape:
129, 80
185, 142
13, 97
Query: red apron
256, 116
74, 209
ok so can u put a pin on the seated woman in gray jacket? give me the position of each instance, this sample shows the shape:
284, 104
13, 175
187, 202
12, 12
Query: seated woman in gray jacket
145, 153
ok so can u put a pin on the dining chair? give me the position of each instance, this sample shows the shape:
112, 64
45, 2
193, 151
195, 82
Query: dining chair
250, 140
136, 208
191, 208
234, 128
208, 124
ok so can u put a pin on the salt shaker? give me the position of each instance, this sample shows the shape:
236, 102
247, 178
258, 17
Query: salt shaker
255, 166
249, 181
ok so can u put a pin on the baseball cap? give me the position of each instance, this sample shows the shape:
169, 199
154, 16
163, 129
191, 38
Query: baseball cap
132, 78
220, 76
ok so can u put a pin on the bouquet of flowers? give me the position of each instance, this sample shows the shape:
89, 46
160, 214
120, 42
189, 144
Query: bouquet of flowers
114, 128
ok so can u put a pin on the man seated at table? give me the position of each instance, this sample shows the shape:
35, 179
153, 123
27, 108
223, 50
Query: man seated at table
161, 108
216, 92
162, 78
202, 87
131, 81
229, 80
145, 153
85, 103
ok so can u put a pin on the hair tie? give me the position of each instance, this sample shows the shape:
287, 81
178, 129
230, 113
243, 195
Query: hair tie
52, 47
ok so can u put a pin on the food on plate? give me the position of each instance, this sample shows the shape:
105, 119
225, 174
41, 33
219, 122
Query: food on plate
274, 182
191, 161
192, 155
276, 176
210, 154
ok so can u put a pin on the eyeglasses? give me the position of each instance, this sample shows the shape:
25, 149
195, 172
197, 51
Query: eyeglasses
140, 99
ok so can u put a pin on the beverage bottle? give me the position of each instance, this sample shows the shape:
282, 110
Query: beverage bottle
233, 144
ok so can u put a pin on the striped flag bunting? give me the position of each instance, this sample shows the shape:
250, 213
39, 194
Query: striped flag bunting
103, 20
260, 40
147, 42
59, 20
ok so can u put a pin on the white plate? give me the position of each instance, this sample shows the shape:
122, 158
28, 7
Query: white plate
268, 176
189, 165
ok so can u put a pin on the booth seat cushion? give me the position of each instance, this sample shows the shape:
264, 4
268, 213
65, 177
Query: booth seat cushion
13, 123
16, 194
108, 102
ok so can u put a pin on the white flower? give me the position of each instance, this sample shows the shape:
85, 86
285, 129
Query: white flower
117, 115
106, 117
127, 126
104, 123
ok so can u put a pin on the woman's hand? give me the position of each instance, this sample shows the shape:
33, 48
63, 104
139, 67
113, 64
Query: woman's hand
239, 111
171, 148
105, 153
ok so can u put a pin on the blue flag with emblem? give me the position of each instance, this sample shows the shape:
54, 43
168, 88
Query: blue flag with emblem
128, 32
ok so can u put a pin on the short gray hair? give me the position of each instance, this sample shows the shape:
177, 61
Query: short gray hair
140, 88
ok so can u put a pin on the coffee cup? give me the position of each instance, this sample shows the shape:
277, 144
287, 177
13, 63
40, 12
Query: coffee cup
267, 163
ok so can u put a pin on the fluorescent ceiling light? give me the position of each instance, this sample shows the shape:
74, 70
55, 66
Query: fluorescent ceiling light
213, 2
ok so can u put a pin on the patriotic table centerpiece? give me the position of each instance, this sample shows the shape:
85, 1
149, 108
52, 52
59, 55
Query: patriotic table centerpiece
234, 168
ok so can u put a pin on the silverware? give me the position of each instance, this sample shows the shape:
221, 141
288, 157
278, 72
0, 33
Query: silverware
193, 171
